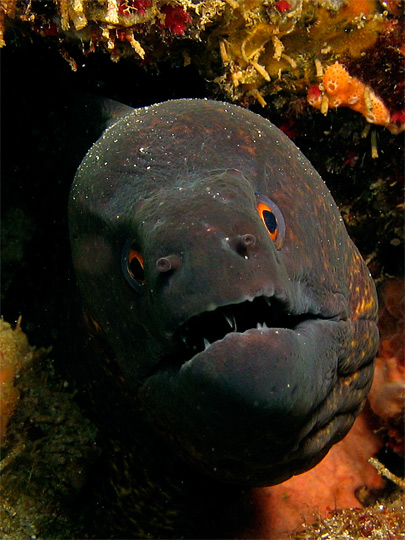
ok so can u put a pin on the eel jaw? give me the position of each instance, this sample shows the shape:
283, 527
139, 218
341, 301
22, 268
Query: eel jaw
258, 405
200, 331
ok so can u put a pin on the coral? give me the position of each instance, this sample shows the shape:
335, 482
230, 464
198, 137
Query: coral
176, 19
46, 450
383, 521
251, 50
126, 7
283, 6
15, 353
340, 89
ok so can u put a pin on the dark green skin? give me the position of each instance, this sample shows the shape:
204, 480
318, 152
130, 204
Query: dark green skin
179, 180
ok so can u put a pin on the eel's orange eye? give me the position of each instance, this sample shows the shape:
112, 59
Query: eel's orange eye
136, 266
132, 265
272, 219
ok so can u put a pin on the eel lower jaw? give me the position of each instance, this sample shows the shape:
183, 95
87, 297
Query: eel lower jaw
270, 401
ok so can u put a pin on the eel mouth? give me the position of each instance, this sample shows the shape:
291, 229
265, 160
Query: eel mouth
200, 331
253, 393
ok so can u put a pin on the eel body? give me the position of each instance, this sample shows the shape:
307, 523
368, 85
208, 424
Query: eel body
214, 262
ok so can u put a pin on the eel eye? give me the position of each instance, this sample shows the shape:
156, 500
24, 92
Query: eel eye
136, 266
133, 266
272, 219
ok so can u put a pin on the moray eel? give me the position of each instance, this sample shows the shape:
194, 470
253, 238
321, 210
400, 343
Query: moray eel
214, 262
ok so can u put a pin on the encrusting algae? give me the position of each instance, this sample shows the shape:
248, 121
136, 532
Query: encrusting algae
15, 353
252, 50
47, 444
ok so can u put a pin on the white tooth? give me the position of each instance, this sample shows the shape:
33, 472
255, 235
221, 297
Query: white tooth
206, 343
259, 326
265, 325
230, 321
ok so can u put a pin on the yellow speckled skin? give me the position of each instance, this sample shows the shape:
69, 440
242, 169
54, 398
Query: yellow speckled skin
180, 182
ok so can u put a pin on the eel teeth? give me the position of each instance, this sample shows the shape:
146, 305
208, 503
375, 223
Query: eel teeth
208, 327
230, 319
183, 338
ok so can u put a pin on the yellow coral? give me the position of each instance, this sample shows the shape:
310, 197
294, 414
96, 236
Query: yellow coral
15, 352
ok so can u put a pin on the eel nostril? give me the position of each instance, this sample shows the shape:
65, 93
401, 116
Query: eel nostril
165, 264
248, 240
243, 244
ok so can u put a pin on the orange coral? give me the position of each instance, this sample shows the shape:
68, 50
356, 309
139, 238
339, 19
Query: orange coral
15, 352
342, 90
336, 80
